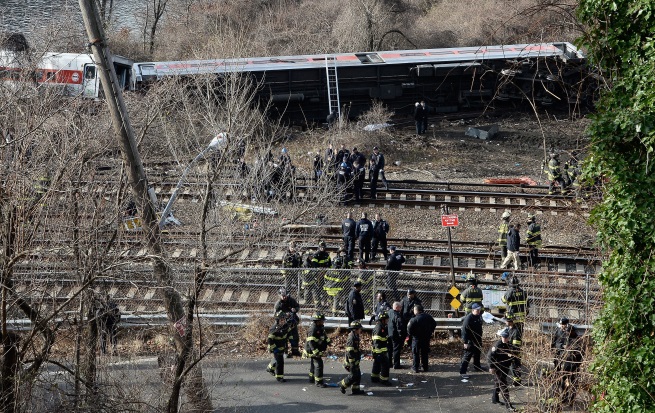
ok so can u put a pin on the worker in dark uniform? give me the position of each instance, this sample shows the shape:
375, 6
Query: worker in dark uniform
563, 338
533, 240
320, 261
332, 118
513, 247
515, 339
291, 309
500, 359
315, 347
418, 118
291, 260
277, 345
472, 338
380, 343
357, 156
420, 328
353, 356
343, 180
377, 169
555, 175
343, 155
348, 228
397, 333
394, 266
381, 306
358, 176
408, 304
569, 371
472, 294
336, 281
308, 276
355, 305
380, 231
318, 166
364, 233
503, 229
367, 278
517, 302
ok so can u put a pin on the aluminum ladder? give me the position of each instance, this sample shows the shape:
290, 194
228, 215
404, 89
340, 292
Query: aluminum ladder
332, 85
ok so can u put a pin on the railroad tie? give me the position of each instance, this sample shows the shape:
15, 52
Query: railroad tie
579, 268
263, 254
420, 260
489, 264
561, 267
455, 262
279, 255
492, 200
227, 295
522, 201
553, 313
207, 295
446, 198
150, 293
263, 297
508, 201
245, 294
193, 253
113, 291
177, 253
388, 195
433, 198
131, 292
244, 254
471, 263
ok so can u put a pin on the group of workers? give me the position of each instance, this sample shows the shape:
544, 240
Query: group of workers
509, 241
564, 177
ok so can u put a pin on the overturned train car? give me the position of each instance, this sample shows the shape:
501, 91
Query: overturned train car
305, 89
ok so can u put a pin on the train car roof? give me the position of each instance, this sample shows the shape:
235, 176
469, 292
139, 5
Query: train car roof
562, 50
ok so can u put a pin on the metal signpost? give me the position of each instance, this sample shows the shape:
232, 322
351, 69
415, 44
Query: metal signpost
448, 221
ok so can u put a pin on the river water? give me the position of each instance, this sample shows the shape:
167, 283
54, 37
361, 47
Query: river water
26, 16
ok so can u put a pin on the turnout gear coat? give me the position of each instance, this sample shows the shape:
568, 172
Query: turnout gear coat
473, 294
286, 306
379, 338
501, 355
517, 303
277, 338
317, 341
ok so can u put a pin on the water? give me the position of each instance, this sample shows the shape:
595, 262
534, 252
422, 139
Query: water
27, 16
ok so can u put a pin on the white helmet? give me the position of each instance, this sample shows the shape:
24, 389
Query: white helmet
506, 214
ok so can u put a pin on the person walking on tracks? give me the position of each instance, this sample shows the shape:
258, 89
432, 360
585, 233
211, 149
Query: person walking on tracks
376, 170
277, 344
353, 356
500, 359
364, 233
380, 343
348, 229
291, 309
472, 338
315, 347
513, 245
555, 175
380, 231
503, 229
533, 240
420, 328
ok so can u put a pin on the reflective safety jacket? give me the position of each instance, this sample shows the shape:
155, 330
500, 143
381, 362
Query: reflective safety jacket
503, 229
277, 338
517, 303
553, 171
353, 353
515, 337
291, 260
317, 341
534, 235
321, 259
379, 339
335, 281
469, 296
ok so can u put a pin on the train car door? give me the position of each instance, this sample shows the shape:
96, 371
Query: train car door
91, 82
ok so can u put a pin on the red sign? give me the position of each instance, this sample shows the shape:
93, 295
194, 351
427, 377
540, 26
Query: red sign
449, 221
180, 326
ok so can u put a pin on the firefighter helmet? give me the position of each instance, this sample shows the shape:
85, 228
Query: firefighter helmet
514, 281
383, 316
280, 315
563, 321
355, 325
318, 316
321, 244
506, 214
510, 317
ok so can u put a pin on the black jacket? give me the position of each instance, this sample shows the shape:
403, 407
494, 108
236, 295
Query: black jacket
421, 326
348, 227
395, 262
378, 161
287, 305
397, 326
355, 305
364, 229
291, 260
381, 307
513, 240
501, 355
380, 229
317, 340
408, 307
564, 338
472, 330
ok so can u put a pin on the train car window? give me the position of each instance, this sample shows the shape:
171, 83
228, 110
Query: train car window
412, 54
50, 76
89, 72
369, 58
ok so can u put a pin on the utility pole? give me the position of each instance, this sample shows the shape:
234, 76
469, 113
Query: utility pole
196, 390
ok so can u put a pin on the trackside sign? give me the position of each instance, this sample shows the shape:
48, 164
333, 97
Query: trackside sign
449, 221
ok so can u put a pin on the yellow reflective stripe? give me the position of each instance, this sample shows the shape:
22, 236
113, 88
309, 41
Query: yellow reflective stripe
517, 342
311, 339
338, 280
379, 338
350, 348
380, 350
523, 302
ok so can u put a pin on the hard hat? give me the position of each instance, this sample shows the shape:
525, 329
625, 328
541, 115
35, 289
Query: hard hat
392, 248
357, 283
471, 277
504, 276
318, 316
321, 244
531, 217
514, 280
563, 321
355, 325
280, 315
284, 150
509, 317
344, 165
383, 315
375, 148
506, 214
283, 292
411, 291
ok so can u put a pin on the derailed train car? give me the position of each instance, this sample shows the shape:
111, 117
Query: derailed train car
304, 89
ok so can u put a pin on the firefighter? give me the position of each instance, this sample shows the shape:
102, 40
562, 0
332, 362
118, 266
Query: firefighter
364, 233
348, 227
380, 231
354, 304
563, 339
393, 267
569, 368
503, 229
515, 338
367, 278
472, 338
472, 294
380, 343
351, 364
336, 280
291, 259
533, 240
500, 358
290, 307
277, 344
315, 347
309, 279
554, 174
420, 328
517, 302
320, 259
